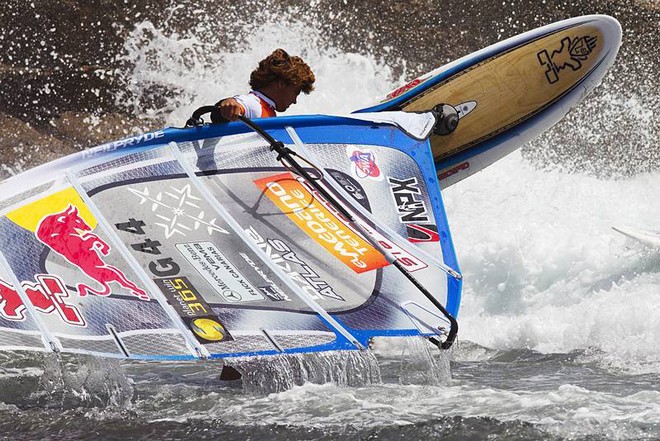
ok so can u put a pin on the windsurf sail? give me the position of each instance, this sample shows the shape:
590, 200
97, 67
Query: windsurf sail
198, 242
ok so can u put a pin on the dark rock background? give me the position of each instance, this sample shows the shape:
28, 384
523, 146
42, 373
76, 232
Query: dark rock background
62, 70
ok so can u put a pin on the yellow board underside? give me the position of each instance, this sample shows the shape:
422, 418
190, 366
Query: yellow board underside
508, 88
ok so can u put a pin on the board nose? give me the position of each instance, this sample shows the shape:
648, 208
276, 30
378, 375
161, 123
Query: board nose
611, 29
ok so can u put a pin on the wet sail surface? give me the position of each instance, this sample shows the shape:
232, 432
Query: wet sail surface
213, 248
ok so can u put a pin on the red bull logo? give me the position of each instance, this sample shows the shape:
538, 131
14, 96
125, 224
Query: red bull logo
47, 296
68, 235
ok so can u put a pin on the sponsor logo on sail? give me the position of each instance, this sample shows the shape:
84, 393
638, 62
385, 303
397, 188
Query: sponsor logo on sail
178, 211
272, 291
364, 164
47, 296
281, 254
422, 233
184, 297
276, 295
208, 329
231, 296
134, 140
193, 309
217, 269
311, 214
412, 210
407, 198
351, 186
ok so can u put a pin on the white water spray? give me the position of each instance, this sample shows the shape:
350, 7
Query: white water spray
189, 72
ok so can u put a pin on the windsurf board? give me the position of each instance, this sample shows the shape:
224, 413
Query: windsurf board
509, 93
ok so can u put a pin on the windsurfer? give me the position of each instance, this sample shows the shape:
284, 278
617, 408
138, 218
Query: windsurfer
276, 84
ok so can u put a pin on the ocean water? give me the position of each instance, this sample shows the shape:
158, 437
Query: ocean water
560, 319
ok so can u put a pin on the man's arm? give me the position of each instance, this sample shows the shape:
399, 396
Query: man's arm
230, 109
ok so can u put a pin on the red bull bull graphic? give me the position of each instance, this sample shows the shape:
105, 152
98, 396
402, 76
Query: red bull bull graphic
47, 296
71, 237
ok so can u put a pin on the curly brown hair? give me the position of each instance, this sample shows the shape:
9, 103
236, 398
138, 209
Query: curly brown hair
281, 66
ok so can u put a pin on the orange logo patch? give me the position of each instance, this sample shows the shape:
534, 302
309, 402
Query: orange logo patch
311, 215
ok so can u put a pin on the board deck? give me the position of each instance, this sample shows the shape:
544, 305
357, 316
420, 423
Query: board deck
501, 88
